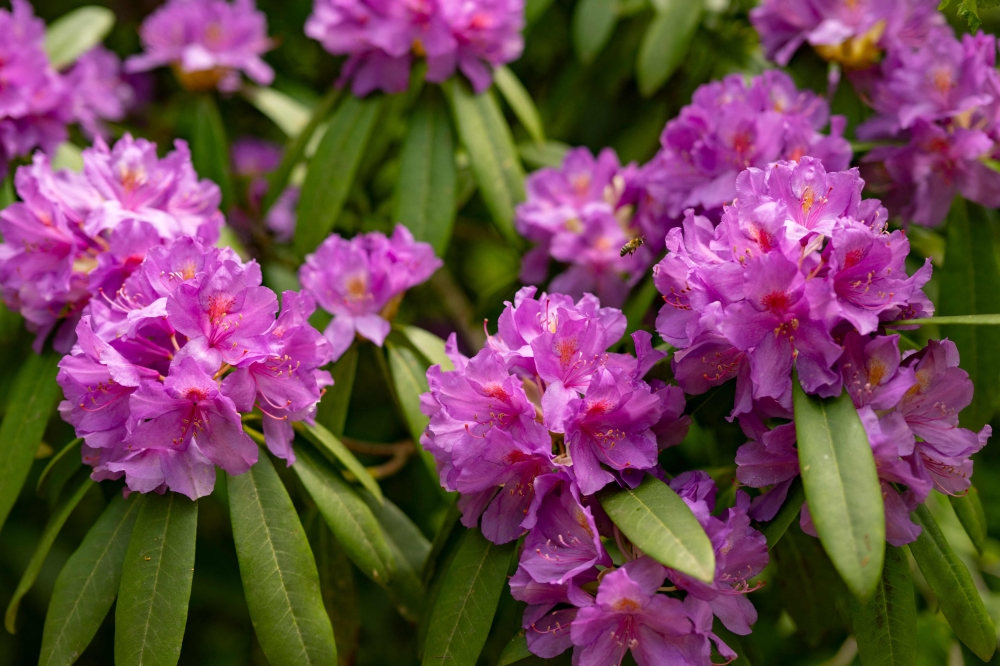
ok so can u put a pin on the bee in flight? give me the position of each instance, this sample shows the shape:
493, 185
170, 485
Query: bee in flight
632, 245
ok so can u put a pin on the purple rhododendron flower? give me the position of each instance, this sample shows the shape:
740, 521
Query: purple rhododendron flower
252, 160
359, 280
163, 368
35, 101
99, 91
75, 237
732, 125
207, 43
381, 39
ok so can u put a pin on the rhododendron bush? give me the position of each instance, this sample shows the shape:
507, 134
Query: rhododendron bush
490, 332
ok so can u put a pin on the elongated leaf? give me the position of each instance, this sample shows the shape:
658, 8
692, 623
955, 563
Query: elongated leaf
75, 491
73, 34
60, 467
33, 397
593, 23
291, 115
969, 510
349, 518
340, 594
494, 160
966, 320
410, 549
886, 624
520, 102
210, 147
156, 582
430, 345
658, 521
410, 381
548, 154
332, 411
971, 279
463, 612
331, 170
7, 192
666, 42
842, 487
515, 651
279, 574
88, 584
951, 583
326, 441
789, 511
425, 191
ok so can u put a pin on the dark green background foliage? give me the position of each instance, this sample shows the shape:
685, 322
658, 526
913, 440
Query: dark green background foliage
601, 73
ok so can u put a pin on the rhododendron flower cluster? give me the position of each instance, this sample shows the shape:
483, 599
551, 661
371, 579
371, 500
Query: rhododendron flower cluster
731, 125
361, 281
798, 260
534, 424
75, 237
207, 43
165, 364
382, 39
252, 160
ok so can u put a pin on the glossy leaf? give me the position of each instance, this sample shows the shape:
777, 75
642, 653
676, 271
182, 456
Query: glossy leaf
515, 651
33, 398
332, 411
494, 159
885, 625
519, 101
470, 591
349, 518
291, 115
971, 279
425, 191
336, 582
326, 442
409, 549
951, 582
73, 34
210, 147
963, 320
88, 584
156, 582
658, 521
841, 486
593, 23
789, 511
60, 467
969, 510
409, 380
74, 492
666, 42
279, 574
331, 170
429, 345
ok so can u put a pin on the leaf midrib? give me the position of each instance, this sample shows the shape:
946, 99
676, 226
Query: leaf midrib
156, 579
679, 542
839, 486
465, 601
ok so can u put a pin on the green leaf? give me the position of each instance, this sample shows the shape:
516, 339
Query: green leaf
73, 34
470, 591
156, 582
77, 488
971, 279
332, 411
349, 518
666, 42
336, 582
409, 378
425, 191
951, 583
296, 148
593, 23
33, 397
88, 584
429, 345
331, 170
842, 486
520, 102
515, 651
658, 521
534, 9
7, 196
68, 156
60, 467
966, 320
279, 574
885, 625
548, 154
210, 147
326, 442
409, 549
969, 510
789, 511
291, 115
492, 155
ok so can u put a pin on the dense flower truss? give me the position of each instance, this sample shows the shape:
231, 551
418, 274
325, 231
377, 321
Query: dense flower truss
381, 39
164, 366
854, 33
35, 102
207, 43
99, 92
74, 237
580, 215
361, 281
942, 102
798, 260
729, 126
252, 160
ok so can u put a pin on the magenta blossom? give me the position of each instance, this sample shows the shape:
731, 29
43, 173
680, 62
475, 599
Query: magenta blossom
359, 280
99, 91
207, 42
